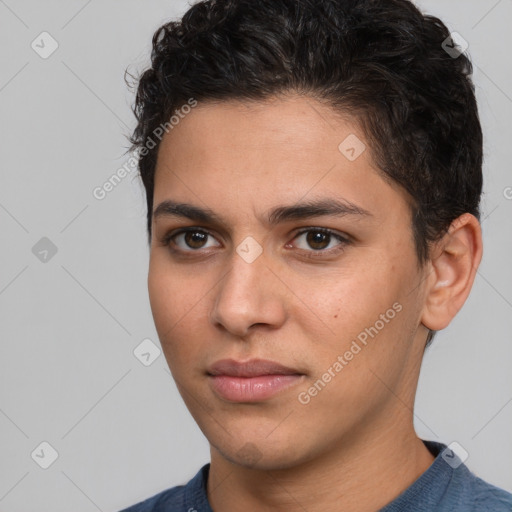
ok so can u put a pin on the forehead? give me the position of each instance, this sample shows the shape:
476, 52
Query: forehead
284, 125
260, 154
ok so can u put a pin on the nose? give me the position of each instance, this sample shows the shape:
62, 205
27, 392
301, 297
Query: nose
249, 295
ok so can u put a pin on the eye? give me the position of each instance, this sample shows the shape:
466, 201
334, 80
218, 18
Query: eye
320, 240
315, 242
190, 240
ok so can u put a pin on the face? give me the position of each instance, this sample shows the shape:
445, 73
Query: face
297, 252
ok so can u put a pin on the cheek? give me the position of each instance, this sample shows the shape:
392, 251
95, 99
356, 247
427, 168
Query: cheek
363, 303
344, 301
172, 291
176, 304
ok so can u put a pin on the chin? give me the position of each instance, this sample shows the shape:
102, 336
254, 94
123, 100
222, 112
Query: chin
262, 455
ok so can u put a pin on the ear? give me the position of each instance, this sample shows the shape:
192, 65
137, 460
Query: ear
453, 265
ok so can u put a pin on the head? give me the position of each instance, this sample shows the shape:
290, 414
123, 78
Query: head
263, 118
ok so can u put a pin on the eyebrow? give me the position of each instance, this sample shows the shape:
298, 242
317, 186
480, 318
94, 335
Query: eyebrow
280, 214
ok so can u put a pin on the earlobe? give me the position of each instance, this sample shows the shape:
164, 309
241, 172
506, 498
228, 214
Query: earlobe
454, 263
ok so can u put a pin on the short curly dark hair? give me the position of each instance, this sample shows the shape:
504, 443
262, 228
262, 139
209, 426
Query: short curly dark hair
380, 61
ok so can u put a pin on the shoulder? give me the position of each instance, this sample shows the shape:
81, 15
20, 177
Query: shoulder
178, 499
466, 491
174, 497
448, 485
479, 495
170, 500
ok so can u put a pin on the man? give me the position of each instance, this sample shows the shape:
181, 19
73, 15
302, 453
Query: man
313, 179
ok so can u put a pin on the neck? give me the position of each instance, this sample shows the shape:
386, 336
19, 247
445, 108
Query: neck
364, 474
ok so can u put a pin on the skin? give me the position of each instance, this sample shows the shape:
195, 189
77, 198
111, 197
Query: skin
353, 446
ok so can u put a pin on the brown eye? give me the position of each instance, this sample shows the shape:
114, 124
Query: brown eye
195, 239
189, 240
318, 240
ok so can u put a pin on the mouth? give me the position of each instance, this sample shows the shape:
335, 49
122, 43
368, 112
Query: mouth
255, 380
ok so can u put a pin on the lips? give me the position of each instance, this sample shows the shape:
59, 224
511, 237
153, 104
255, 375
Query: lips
251, 368
251, 381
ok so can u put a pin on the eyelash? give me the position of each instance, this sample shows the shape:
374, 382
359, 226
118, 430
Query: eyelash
168, 237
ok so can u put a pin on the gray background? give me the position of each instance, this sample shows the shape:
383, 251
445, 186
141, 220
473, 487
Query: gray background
69, 325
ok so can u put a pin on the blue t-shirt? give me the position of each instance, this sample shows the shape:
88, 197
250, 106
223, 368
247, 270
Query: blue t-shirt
446, 486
